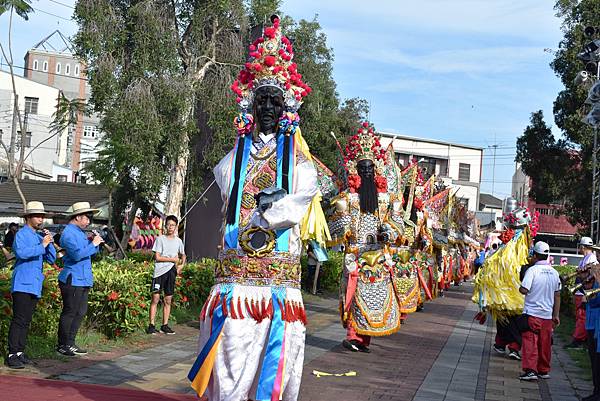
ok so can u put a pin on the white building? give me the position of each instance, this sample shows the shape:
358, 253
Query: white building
37, 104
459, 166
52, 62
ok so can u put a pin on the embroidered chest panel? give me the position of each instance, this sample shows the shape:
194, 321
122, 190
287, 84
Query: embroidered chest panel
261, 174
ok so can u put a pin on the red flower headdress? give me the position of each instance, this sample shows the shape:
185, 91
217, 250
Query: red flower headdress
365, 145
270, 64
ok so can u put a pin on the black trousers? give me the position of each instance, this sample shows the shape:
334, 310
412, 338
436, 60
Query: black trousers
75, 303
23, 307
594, 359
508, 330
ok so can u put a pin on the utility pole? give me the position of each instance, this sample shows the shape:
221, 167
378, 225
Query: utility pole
494, 146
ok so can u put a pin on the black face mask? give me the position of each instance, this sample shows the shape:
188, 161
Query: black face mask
368, 190
268, 108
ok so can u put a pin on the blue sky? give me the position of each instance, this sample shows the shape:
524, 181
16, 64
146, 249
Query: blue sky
465, 71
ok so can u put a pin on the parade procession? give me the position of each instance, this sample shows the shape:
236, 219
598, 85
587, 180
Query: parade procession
208, 204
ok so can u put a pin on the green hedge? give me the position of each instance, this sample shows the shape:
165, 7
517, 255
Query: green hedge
118, 302
330, 272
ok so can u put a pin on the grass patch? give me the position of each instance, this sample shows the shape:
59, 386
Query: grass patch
580, 355
39, 347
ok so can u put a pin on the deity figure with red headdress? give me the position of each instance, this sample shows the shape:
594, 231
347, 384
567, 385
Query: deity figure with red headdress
252, 326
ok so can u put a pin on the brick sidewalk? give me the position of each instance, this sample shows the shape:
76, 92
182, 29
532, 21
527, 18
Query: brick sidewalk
440, 354
397, 364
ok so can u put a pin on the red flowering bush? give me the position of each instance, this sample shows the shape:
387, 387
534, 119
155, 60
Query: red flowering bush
119, 301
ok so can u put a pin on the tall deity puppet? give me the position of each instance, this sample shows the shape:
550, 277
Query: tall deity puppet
378, 284
252, 327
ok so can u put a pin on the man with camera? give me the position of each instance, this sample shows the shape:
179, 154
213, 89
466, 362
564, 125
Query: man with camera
76, 278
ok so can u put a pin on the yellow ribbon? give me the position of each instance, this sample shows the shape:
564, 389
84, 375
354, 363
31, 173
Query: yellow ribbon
320, 374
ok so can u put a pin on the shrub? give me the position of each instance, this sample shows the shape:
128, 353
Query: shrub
119, 301
330, 272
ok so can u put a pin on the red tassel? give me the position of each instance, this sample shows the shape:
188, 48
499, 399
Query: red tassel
224, 306
232, 309
263, 309
240, 311
270, 310
215, 301
203, 313
304, 319
248, 309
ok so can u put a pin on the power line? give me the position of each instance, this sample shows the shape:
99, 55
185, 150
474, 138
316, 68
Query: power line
63, 4
53, 15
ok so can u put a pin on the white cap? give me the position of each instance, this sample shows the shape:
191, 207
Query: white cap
541, 247
586, 241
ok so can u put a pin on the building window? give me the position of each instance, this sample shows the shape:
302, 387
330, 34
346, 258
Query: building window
90, 131
35, 65
27, 138
31, 105
45, 66
76, 71
61, 178
58, 68
67, 69
464, 172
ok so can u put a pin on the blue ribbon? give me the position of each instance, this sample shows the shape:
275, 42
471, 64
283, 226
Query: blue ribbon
232, 230
270, 362
283, 236
217, 322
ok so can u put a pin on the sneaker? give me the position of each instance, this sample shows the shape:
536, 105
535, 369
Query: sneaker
544, 375
574, 345
165, 329
24, 359
78, 350
14, 362
499, 349
65, 350
514, 355
151, 329
529, 376
350, 345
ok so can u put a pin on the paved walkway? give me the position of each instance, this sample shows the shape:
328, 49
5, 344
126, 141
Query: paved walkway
439, 354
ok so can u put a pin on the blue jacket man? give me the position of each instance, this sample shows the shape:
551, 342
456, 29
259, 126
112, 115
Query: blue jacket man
31, 250
76, 279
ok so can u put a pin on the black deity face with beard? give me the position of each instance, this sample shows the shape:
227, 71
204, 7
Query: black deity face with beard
268, 108
368, 190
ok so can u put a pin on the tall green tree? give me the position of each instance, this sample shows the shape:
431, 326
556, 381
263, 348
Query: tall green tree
564, 168
149, 63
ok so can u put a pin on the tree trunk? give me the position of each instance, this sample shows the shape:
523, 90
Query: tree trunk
175, 192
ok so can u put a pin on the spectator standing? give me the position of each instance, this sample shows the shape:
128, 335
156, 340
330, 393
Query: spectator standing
9, 238
579, 335
169, 257
541, 287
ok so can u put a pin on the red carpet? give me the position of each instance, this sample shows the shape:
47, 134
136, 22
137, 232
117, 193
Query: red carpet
29, 389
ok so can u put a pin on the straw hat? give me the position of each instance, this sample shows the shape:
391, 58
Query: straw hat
33, 207
81, 208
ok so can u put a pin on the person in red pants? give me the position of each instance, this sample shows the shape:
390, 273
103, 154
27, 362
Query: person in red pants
579, 336
541, 287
